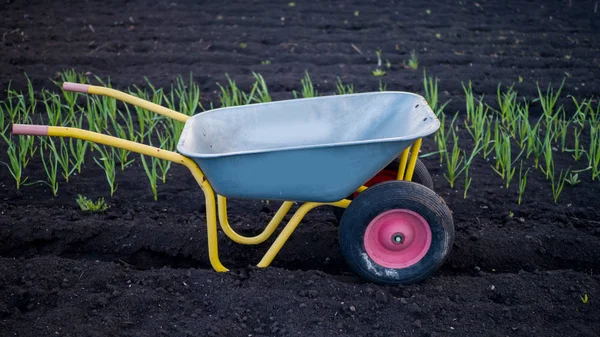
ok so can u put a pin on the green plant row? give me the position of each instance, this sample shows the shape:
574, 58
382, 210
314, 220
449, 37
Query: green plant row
507, 135
504, 134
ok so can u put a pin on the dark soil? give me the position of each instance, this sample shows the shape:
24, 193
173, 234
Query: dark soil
141, 268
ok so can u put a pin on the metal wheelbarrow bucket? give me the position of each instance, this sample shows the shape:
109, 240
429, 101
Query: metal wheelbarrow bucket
312, 149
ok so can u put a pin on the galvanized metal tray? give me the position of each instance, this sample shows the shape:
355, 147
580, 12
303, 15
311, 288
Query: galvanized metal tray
310, 149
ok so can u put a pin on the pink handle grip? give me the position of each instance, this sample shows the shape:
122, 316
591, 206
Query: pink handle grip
77, 87
32, 130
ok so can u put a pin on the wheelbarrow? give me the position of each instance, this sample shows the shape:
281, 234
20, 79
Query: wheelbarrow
314, 151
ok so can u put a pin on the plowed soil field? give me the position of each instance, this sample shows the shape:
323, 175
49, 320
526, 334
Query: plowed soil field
141, 267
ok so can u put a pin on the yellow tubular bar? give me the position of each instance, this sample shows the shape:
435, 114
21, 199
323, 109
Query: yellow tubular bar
361, 189
290, 227
161, 110
267, 232
211, 214
96, 90
94, 137
211, 223
414, 154
402, 166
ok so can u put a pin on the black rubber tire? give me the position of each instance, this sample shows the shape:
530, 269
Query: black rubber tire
420, 176
392, 195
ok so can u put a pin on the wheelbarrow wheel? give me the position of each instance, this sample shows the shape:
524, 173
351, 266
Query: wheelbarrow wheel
396, 232
420, 176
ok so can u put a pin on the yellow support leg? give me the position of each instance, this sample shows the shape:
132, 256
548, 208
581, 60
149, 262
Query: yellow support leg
402, 167
211, 219
290, 227
414, 155
211, 212
255, 240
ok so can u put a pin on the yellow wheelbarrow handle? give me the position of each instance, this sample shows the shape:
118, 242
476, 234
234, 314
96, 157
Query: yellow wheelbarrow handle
98, 138
96, 90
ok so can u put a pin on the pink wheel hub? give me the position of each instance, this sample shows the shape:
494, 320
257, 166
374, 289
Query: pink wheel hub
397, 238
